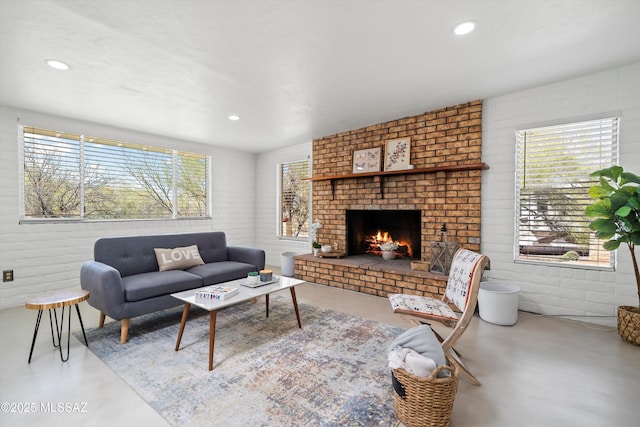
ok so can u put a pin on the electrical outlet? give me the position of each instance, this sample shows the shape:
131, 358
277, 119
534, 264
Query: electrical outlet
7, 276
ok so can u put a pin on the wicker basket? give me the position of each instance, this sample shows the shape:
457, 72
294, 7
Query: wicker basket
629, 324
424, 401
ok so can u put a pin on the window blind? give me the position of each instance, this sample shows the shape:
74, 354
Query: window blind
294, 199
553, 167
51, 174
99, 178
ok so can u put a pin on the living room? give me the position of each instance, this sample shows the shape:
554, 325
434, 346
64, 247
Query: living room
46, 256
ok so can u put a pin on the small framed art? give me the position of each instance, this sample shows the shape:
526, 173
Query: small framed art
367, 160
397, 154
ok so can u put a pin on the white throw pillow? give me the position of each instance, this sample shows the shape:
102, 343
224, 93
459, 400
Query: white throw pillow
178, 258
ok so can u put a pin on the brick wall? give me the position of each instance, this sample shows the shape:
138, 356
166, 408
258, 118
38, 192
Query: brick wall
445, 137
557, 289
372, 278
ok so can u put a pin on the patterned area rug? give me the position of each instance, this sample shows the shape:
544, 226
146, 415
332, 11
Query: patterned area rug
267, 371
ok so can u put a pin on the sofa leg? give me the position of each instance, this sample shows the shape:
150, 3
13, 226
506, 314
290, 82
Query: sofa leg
124, 330
102, 316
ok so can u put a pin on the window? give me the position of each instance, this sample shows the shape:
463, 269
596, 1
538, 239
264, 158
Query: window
553, 167
71, 176
294, 199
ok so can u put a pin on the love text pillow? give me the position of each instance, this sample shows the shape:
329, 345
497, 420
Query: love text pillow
178, 258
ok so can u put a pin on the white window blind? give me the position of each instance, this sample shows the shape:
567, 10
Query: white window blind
51, 174
294, 199
89, 177
553, 167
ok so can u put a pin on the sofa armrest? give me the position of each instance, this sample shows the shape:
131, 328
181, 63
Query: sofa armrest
247, 255
106, 292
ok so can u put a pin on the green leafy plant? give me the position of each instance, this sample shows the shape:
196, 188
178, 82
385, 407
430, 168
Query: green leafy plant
617, 211
316, 245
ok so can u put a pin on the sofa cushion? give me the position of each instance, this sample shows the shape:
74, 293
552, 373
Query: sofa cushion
178, 258
222, 271
148, 285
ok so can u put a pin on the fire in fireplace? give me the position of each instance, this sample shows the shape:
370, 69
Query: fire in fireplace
383, 241
369, 230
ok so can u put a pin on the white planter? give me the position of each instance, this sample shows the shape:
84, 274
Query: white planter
388, 255
498, 302
287, 263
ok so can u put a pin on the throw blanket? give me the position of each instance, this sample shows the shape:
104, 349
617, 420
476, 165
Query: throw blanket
423, 342
411, 361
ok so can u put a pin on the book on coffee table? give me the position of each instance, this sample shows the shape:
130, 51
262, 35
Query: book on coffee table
216, 292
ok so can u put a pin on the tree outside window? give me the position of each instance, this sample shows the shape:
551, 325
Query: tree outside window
294, 199
70, 176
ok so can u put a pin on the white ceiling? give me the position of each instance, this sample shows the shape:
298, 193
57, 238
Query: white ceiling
293, 70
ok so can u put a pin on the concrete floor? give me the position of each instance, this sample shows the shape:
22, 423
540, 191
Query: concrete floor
540, 372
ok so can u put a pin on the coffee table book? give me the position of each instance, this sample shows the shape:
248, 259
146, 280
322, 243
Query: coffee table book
216, 292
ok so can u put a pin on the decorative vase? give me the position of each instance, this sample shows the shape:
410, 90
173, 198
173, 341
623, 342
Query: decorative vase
388, 255
316, 251
629, 323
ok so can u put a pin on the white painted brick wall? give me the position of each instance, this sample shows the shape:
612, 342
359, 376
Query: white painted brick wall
545, 289
47, 257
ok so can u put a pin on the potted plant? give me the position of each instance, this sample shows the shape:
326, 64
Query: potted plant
313, 233
316, 248
617, 213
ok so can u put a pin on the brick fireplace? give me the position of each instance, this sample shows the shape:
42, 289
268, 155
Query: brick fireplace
440, 187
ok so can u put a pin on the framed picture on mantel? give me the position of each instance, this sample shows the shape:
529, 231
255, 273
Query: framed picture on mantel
367, 160
397, 154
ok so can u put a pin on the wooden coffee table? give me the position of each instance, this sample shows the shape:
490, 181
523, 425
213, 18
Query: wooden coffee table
244, 294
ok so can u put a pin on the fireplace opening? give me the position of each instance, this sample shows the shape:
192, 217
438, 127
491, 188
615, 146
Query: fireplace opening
369, 230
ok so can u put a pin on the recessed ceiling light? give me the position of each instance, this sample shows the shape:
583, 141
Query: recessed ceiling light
234, 117
58, 65
464, 28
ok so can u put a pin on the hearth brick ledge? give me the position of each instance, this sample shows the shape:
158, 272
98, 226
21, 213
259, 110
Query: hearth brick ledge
369, 275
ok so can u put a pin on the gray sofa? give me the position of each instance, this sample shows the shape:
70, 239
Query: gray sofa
124, 280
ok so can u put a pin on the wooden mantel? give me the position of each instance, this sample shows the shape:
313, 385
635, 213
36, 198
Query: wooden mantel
381, 175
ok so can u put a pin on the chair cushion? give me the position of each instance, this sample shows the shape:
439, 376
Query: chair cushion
463, 266
417, 305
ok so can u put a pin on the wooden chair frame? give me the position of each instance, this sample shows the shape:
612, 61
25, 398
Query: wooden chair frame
459, 326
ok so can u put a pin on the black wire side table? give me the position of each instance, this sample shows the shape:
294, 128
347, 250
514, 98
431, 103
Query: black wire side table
51, 303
